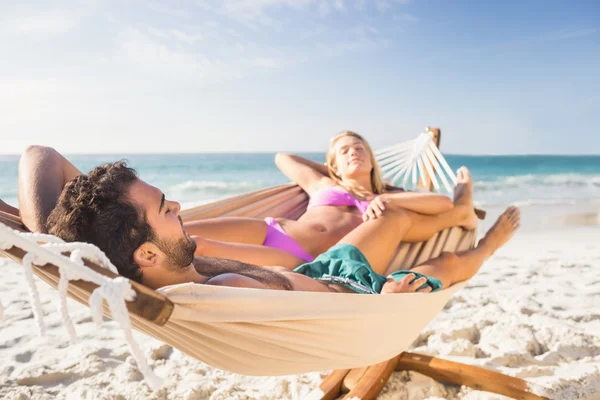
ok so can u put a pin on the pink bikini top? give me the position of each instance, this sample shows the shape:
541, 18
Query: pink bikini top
329, 196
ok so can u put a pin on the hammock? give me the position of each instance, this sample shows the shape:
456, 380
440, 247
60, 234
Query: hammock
264, 332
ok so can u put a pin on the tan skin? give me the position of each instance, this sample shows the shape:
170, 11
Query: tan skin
7, 208
377, 239
43, 171
321, 227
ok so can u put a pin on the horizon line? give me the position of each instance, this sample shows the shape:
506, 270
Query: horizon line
224, 152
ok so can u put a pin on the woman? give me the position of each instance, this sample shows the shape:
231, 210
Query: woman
345, 192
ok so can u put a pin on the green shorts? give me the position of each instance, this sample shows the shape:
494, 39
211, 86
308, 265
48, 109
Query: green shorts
345, 264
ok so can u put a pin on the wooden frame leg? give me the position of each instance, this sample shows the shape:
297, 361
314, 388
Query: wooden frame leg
367, 382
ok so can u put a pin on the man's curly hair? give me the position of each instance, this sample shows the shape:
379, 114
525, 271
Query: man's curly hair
95, 208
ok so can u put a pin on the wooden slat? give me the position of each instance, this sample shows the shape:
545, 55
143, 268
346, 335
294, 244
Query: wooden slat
352, 378
225, 206
262, 208
373, 381
481, 214
329, 389
474, 377
283, 209
148, 304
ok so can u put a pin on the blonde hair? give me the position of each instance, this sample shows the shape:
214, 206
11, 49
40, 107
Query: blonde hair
377, 184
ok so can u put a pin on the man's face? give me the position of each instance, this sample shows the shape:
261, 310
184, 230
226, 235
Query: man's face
163, 216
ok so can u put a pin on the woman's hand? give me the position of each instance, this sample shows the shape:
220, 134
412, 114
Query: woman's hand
408, 284
375, 208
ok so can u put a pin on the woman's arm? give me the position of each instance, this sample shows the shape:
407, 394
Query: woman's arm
309, 175
422, 203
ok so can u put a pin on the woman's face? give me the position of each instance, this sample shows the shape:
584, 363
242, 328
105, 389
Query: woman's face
352, 159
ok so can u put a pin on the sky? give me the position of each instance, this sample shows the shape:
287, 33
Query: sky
136, 76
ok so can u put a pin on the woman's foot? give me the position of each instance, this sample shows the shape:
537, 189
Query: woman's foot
463, 199
504, 228
435, 135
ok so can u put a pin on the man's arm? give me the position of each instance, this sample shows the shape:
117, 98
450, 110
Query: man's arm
43, 173
216, 267
8, 208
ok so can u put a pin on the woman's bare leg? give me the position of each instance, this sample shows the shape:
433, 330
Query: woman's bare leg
229, 229
253, 230
248, 253
43, 173
451, 268
425, 226
378, 240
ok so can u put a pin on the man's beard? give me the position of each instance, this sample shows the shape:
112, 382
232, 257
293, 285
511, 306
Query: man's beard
179, 252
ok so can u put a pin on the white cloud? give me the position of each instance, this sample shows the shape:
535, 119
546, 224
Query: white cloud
339, 5
570, 34
223, 57
177, 35
324, 9
360, 4
252, 9
382, 5
163, 9
44, 24
405, 17
257, 11
140, 51
268, 63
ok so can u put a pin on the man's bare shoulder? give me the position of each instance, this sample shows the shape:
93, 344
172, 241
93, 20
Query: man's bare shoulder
235, 280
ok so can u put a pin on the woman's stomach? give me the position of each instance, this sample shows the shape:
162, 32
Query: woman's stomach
321, 227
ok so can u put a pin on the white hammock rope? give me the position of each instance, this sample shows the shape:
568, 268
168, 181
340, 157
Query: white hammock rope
36, 304
414, 160
115, 291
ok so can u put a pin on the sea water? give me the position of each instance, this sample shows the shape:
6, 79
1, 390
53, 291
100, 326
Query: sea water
194, 179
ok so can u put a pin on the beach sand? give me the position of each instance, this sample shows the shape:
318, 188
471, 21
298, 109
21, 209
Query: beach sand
533, 312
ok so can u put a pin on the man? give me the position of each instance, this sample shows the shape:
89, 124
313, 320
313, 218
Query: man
143, 235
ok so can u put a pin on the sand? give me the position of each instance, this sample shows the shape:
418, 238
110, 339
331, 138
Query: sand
533, 312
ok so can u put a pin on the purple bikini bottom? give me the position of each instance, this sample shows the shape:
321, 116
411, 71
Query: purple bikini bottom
277, 239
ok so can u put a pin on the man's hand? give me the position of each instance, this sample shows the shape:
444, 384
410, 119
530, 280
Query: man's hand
404, 285
375, 209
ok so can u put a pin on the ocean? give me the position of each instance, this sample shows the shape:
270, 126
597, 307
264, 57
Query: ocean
194, 179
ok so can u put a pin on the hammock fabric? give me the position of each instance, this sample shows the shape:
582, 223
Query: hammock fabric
268, 332
240, 330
